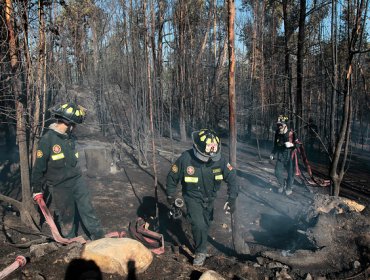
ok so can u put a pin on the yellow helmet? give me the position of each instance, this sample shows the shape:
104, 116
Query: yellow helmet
282, 120
70, 112
206, 145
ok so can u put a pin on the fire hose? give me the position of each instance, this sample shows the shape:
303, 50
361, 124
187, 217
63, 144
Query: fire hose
19, 262
54, 230
50, 221
138, 230
301, 151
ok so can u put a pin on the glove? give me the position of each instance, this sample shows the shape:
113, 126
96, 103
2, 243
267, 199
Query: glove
297, 143
229, 206
272, 157
170, 200
36, 191
37, 195
288, 144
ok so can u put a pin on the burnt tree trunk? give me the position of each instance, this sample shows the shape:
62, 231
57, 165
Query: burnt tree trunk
337, 168
26, 208
300, 58
231, 83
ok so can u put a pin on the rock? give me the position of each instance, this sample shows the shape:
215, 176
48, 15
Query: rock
323, 232
39, 250
283, 275
260, 260
353, 205
273, 265
28, 274
356, 264
98, 161
118, 255
211, 275
73, 252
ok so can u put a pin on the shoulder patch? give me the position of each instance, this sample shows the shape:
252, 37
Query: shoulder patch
174, 168
57, 149
229, 166
39, 154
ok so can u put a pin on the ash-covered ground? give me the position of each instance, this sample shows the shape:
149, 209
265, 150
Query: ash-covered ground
273, 236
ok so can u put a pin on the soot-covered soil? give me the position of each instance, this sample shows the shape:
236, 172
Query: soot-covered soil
307, 234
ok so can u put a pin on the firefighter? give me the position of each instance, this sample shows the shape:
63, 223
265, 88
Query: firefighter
284, 145
56, 170
201, 171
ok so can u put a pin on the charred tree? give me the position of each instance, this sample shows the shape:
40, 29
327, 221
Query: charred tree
231, 83
354, 47
300, 59
26, 207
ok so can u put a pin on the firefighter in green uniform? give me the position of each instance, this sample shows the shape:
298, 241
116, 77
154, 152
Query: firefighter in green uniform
284, 145
56, 168
201, 171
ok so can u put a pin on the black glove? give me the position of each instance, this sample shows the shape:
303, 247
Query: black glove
36, 192
36, 189
170, 200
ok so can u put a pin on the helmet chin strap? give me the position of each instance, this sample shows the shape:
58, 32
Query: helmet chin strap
204, 158
200, 156
70, 128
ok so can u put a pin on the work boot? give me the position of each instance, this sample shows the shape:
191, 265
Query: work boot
199, 259
288, 191
281, 189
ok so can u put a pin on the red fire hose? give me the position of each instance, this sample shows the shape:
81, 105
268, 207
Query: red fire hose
50, 221
19, 262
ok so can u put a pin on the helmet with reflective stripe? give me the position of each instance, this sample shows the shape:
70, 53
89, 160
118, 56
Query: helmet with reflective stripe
282, 120
70, 112
206, 145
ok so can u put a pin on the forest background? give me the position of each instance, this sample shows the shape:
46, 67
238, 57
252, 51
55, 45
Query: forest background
165, 68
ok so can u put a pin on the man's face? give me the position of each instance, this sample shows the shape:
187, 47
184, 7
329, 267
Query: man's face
281, 127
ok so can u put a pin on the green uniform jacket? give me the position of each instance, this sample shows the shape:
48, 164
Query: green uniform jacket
283, 153
56, 160
201, 180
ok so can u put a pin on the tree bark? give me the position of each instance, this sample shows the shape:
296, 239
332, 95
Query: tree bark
27, 211
287, 68
337, 168
40, 93
300, 59
231, 83
334, 94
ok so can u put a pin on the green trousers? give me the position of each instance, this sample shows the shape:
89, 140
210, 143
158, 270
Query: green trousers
280, 167
200, 216
69, 196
